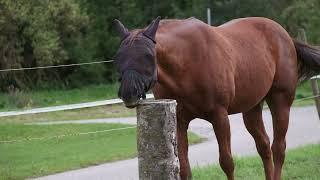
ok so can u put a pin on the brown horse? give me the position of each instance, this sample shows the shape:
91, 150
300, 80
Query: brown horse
216, 71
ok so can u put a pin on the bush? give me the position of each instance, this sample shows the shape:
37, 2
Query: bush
17, 98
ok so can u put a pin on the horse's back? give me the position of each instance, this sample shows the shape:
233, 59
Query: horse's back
182, 25
181, 30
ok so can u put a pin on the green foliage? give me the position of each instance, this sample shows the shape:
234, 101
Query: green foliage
225, 10
303, 14
44, 32
292, 14
35, 33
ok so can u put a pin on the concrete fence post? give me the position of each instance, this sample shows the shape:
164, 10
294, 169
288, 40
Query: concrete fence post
156, 140
314, 83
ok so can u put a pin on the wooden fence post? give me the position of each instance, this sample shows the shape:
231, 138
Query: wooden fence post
315, 90
157, 144
314, 83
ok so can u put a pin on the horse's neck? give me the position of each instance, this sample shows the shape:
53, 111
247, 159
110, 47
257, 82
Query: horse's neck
168, 66
166, 58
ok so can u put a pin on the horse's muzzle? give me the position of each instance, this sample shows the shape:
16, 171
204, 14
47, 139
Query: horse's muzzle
132, 103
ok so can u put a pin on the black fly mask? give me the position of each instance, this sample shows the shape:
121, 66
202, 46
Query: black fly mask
136, 62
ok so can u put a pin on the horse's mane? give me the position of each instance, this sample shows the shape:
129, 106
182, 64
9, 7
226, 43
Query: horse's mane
134, 35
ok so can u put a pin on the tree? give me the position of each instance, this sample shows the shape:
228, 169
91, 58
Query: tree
35, 33
46, 32
303, 14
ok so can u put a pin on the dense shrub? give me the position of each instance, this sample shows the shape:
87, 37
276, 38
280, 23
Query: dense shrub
45, 32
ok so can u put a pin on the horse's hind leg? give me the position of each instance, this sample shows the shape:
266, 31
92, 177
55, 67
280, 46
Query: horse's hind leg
254, 124
221, 126
279, 103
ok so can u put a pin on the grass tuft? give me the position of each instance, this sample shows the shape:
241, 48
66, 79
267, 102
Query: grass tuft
54, 97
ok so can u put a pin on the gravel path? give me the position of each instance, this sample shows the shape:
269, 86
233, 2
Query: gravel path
304, 129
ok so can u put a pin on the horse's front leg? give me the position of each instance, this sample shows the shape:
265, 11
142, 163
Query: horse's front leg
221, 126
182, 135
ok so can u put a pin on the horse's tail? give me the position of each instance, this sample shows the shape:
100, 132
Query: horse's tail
308, 60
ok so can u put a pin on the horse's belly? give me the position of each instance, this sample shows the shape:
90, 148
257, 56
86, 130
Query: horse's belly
245, 101
251, 86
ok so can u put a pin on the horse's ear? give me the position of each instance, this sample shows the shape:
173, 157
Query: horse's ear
151, 30
123, 32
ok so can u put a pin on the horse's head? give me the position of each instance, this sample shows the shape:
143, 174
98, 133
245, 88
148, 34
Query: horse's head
136, 62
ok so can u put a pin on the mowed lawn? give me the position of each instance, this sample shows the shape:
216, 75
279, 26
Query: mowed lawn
100, 112
33, 158
300, 164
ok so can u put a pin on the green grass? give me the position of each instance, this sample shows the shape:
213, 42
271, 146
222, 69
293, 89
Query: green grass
92, 93
302, 163
37, 158
110, 111
54, 97
20, 160
304, 90
194, 139
44, 98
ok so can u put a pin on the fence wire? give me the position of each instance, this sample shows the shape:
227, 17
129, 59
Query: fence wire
56, 66
306, 98
66, 135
